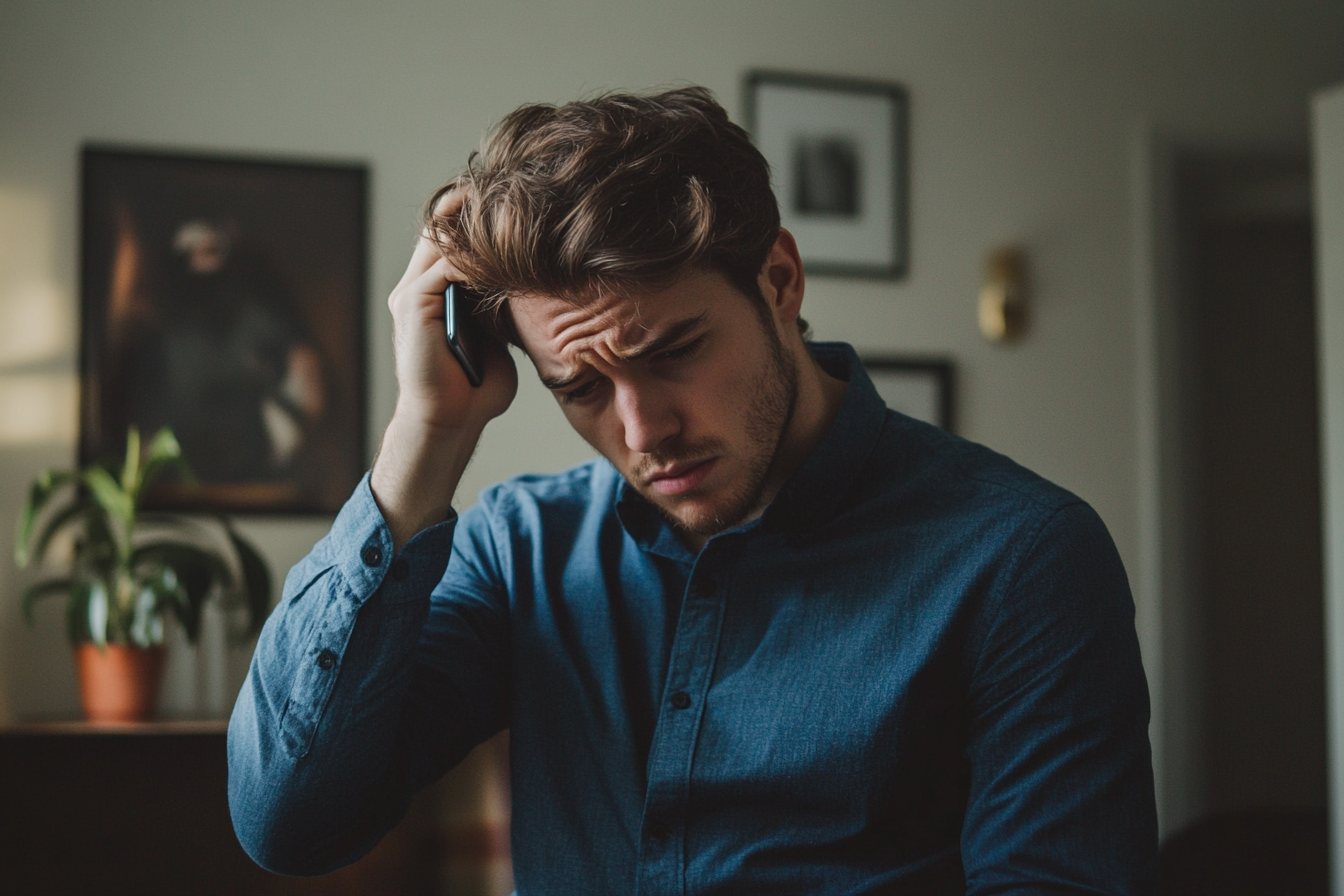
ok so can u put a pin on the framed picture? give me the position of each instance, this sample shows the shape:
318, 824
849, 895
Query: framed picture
838, 152
225, 297
919, 388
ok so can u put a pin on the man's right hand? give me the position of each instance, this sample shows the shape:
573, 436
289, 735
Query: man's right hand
439, 416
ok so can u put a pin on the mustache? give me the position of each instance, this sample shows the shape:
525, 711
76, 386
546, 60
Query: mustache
657, 461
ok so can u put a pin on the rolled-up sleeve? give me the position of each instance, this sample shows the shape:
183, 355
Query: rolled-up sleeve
322, 746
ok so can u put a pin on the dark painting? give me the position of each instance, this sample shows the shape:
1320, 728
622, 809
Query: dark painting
225, 298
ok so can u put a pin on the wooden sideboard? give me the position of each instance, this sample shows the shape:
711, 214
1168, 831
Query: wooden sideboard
143, 810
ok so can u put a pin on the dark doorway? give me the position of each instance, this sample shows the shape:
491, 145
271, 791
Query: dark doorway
1248, 360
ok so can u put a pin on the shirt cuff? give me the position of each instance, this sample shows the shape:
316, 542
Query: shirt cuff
362, 550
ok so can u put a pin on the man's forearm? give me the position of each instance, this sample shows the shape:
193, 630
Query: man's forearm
416, 474
318, 769
439, 415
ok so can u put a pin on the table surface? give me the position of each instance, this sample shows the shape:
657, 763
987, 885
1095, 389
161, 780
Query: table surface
81, 727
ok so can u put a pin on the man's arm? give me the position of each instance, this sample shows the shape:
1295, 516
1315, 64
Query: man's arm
439, 416
322, 752
318, 767
1061, 789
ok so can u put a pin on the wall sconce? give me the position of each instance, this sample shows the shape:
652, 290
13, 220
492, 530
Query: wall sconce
1003, 298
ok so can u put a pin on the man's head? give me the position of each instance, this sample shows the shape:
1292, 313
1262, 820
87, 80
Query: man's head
633, 248
618, 193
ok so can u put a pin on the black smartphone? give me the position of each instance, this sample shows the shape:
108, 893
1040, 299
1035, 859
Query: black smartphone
460, 304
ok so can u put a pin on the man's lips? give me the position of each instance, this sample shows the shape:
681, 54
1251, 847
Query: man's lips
681, 478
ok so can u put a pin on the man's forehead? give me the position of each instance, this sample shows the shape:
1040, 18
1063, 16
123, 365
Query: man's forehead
547, 318
555, 328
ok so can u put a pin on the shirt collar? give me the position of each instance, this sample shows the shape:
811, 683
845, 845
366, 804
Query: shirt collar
810, 496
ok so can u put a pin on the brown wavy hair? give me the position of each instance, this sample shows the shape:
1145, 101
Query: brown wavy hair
617, 193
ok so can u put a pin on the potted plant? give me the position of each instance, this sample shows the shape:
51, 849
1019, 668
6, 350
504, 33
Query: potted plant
129, 571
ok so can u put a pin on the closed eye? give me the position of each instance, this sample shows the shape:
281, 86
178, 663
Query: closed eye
683, 352
580, 392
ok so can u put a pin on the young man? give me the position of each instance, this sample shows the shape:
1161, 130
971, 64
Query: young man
781, 640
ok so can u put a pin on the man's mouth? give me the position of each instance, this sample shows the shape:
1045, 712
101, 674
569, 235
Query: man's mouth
681, 478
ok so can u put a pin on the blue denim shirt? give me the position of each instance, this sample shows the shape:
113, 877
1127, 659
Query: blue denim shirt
917, 672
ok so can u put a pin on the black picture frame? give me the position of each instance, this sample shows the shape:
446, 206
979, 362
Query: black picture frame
225, 296
838, 149
923, 388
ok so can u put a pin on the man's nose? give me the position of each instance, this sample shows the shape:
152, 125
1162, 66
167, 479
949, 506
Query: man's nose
648, 417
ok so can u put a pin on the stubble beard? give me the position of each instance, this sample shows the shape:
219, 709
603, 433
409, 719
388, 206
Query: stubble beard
775, 396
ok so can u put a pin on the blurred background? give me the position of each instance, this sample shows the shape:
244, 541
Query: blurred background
1150, 159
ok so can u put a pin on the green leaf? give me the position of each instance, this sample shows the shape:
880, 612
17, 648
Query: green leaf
130, 468
196, 570
77, 614
169, 593
164, 452
107, 492
98, 612
256, 578
152, 595
58, 521
189, 614
163, 446
33, 593
43, 487
98, 546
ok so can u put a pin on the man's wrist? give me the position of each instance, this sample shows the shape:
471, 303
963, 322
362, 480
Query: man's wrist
416, 473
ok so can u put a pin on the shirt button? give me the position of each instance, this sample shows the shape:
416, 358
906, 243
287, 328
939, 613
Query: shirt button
373, 555
400, 569
681, 700
325, 660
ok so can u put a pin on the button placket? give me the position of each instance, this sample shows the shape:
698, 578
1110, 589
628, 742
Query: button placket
662, 867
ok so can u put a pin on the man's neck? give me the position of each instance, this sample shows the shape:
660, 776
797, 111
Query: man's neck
818, 402
819, 398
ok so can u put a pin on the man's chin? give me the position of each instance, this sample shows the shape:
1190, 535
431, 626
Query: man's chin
701, 515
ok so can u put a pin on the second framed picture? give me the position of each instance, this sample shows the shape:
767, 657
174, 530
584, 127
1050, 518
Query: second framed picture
917, 387
837, 150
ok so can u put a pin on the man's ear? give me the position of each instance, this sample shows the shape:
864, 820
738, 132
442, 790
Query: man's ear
781, 280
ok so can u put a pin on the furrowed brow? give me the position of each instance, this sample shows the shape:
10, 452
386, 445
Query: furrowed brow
672, 335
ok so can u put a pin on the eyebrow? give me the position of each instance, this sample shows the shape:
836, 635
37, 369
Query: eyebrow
672, 335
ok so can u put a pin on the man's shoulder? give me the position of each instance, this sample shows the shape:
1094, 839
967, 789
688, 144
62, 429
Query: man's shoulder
967, 507
916, 461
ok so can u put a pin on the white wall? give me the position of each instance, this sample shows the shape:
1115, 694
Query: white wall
1328, 173
1024, 123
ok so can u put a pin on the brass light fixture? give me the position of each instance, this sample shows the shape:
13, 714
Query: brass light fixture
1003, 298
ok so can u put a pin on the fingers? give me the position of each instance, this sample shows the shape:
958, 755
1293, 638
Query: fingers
427, 252
420, 299
447, 202
450, 200
427, 273
426, 291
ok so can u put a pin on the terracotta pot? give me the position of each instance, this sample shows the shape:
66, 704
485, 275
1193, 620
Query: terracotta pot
119, 683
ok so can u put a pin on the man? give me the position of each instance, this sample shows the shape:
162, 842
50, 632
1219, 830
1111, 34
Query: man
780, 640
